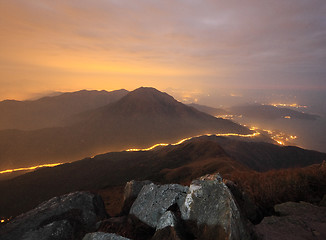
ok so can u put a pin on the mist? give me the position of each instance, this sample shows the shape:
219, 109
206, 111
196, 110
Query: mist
310, 133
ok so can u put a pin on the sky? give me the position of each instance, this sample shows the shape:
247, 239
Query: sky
181, 45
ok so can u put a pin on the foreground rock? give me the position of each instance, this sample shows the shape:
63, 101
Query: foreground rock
131, 192
154, 200
210, 205
299, 221
205, 210
103, 236
66, 217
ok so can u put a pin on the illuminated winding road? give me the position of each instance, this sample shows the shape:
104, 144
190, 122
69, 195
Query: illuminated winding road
152, 147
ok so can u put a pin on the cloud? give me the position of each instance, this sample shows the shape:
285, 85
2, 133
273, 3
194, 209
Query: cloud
222, 42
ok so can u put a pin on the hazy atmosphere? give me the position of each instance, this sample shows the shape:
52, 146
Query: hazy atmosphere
163, 119
185, 45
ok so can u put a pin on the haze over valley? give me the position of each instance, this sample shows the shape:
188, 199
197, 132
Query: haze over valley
163, 120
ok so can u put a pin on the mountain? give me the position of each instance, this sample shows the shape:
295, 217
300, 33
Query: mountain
270, 112
52, 111
140, 119
209, 110
179, 164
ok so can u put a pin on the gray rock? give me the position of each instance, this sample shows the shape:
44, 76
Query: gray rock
103, 236
167, 220
72, 213
131, 192
297, 221
133, 188
210, 203
59, 230
154, 200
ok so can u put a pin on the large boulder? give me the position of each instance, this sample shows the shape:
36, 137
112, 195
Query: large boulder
299, 221
154, 200
65, 217
210, 207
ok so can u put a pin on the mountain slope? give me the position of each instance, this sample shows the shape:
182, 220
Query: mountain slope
270, 112
52, 111
209, 110
180, 164
142, 118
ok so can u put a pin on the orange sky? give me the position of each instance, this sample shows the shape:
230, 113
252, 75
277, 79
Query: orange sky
57, 45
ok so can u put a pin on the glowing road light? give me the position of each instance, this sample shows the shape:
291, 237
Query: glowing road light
186, 139
30, 168
288, 117
280, 142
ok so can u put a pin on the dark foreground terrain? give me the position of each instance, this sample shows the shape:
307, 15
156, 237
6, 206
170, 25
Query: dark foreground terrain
256, 177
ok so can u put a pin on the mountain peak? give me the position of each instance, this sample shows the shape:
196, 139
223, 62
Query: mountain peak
148, 101
149, 94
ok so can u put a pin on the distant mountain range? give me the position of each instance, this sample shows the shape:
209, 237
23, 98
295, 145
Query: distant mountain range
209, 110
180, 164
52, 111
257, 111
139, 118
260, 111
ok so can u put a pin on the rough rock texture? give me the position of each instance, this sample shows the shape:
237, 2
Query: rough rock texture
65, 217
154, 200
103, 236
209, 204
131, 192
55, 230
133, 188
167, 220
297, 221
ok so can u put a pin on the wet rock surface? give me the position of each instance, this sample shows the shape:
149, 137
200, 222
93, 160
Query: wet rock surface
65, 217
297, 221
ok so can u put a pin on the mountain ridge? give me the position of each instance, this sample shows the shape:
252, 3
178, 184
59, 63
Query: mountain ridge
180, 163
113, 127
52, 111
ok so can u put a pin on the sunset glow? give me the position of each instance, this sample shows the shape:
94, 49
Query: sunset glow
71, 45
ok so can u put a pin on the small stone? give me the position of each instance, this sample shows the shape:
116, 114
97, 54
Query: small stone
167, 220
